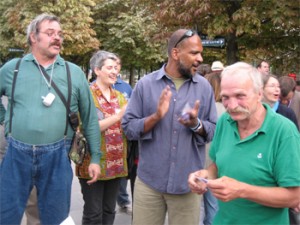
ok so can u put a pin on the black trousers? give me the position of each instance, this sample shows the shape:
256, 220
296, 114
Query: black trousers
99, 201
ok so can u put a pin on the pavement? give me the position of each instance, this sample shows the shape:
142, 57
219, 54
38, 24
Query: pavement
77, 206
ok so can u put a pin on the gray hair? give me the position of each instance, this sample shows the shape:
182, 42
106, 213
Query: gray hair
99, 57
34, 26
245, 69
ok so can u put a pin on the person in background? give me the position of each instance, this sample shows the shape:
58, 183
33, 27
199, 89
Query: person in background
123, 197
100, 198
255, 173
217, 66
298, 85
271, 94
209, 201
289, 96
38, 131
2, 131
263, 67
204, 69
172, 114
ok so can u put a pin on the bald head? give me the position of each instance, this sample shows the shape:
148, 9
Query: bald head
177, 37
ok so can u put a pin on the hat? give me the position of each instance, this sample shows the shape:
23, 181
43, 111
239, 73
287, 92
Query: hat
293, 75
217, 65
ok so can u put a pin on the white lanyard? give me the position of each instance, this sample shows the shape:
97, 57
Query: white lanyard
48, 84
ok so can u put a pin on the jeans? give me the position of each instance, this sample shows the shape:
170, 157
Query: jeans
123, 197
211, 207
48, 168
99, 201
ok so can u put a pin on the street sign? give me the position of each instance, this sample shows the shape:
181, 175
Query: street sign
217, 43
15, 50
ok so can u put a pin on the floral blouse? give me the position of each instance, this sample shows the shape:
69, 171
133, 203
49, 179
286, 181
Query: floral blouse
113, 162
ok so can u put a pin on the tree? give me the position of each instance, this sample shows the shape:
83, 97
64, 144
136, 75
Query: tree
75, 16
267, 29
129, 31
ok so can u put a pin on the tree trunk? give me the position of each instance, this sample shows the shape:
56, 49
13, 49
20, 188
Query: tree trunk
231, 49
131, 76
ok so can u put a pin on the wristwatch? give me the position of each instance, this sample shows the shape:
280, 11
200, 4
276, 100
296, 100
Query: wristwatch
198, 127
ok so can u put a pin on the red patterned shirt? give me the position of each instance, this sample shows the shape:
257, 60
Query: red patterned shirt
113, 162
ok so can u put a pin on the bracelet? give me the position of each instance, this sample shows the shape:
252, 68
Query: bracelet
198, 126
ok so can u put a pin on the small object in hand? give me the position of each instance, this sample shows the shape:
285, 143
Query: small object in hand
184, 114
202, 179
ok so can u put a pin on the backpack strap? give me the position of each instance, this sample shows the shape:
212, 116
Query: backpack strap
16, 71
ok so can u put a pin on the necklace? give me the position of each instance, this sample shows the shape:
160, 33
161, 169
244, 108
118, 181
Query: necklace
49, 98
50, 82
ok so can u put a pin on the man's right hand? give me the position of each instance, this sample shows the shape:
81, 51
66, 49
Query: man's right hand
164, 102
195, 184
162, 109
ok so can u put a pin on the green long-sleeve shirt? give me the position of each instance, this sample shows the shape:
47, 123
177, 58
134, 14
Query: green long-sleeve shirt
34, 123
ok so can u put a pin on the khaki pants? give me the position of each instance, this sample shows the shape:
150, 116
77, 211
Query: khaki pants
150, 207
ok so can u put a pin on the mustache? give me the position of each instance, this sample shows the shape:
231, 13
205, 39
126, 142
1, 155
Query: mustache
56, 43
238, 109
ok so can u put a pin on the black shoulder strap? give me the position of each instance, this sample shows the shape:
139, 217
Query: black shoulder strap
16, 71
62, 97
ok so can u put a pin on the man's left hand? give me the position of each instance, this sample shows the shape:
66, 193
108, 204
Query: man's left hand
225, 188
192, 120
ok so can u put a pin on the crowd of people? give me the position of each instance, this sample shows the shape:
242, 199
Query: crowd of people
200, 143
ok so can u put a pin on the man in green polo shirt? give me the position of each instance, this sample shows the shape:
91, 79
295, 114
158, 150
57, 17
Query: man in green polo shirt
255, 172
35, 127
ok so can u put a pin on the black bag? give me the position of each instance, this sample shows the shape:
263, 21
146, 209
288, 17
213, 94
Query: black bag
132, 156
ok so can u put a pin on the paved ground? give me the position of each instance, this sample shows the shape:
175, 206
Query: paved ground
77, 206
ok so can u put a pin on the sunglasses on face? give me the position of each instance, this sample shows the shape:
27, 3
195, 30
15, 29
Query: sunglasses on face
188, 33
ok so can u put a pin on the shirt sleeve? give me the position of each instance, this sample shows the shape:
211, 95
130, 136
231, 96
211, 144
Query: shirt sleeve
133, 121
89, 118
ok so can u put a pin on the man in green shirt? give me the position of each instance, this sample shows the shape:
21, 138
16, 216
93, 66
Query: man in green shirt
255, 172
37, 143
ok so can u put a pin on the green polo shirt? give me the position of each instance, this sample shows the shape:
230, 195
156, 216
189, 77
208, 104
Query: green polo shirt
34, 123
269, 157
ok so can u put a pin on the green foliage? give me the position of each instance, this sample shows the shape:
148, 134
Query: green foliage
138, 30
253, 29
128, 30
75, 16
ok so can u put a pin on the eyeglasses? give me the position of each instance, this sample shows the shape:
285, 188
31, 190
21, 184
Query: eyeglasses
52, 34
273, 86
188, 33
